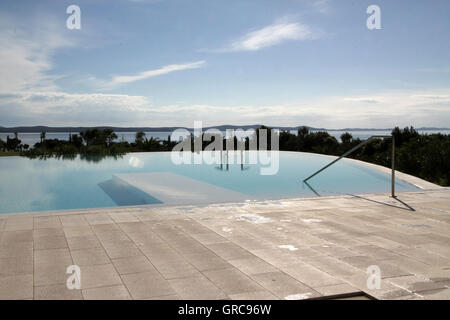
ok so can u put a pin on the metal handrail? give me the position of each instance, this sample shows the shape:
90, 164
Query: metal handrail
357, 147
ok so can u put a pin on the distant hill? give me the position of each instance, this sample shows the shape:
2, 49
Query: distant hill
38, 129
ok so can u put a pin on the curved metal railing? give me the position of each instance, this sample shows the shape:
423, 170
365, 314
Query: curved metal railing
356, 148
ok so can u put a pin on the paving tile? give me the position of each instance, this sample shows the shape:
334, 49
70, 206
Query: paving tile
107, 293
83, 242
112, 235
229, 251
52, 256
50, 274
47, 232
134, 227
18, 224
135, 264
147, 238
73, 221
190, 226
121, 249
16, 249
9, 237
78, 231
174, 268
376, 252
50, 242
336, 289
89, 257
105, 228
310, 275
166, 297
257, 295
427, 257
284, 286
334, 250
253, 265
387, 270
147, 215
209, 238
17, 287
16, 265
276, 257
250, 243
98, 218
185, 244
99, 276
438, 294
47, 222
437, 248
123, 217
196, 288
332, 266
207, 260
56, 292
415, 283
232, 281
411, 265
147, 285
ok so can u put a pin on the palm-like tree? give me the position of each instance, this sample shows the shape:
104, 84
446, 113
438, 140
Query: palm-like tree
140, 137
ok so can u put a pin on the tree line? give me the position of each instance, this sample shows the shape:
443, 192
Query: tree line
426, 156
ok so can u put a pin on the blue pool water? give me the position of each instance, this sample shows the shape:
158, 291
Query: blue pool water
56, 184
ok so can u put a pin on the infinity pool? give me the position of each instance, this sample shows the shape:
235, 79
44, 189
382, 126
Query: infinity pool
57, 184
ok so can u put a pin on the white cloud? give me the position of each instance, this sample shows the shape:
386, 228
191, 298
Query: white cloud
363, 99
55, 108
322, 6
270, 36
118, 80
432, 97
25, 53
392, 109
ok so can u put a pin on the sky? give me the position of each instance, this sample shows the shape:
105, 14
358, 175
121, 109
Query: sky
172, 62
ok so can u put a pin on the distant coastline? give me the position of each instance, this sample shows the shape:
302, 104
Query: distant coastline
39, 129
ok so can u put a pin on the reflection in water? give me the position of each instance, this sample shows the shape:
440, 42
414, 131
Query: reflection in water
93, 158
225, 163
136, 162
311, 188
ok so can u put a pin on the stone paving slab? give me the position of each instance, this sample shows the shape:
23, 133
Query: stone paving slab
284, 249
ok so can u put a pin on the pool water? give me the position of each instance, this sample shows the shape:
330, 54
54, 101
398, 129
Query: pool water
57, 184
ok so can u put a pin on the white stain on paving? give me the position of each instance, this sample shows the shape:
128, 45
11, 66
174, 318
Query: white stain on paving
229, 230
290, 247
298, 296
311, 220
250, 217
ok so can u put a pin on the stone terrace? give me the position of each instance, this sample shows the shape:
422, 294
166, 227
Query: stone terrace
290, 249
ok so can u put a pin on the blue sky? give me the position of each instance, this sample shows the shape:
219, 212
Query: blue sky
173, 62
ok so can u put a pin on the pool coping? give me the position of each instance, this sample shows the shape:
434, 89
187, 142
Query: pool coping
203, 205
